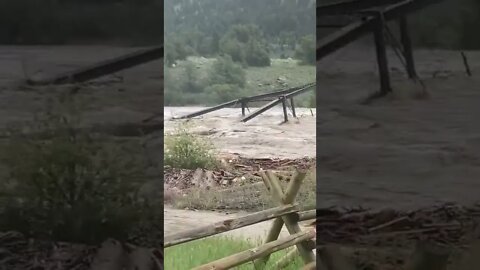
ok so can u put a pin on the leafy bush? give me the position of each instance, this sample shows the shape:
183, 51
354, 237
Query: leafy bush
67, 185
306, 50
245, 44
186, 87
257, 55
225, 71
220, 93
187, 151
192, 83
175, 50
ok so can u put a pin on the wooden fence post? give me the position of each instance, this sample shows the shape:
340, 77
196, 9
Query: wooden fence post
290, 221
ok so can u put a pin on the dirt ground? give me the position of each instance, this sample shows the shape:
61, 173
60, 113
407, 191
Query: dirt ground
400, 152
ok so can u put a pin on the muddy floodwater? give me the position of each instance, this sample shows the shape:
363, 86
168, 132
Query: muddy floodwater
262, 137
403, 151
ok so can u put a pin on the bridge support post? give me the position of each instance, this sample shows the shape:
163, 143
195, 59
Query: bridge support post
381, 51
244, 104
293, 108
284, 105
407, 46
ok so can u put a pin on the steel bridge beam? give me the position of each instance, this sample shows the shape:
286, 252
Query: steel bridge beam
352, 6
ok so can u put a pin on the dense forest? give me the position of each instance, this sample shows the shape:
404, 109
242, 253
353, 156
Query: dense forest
209, 27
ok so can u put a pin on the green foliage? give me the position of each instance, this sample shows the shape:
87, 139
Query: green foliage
185, 89
213, 17
188, 151
245, 44
192, 82
219, 93
209, 249
67, 185
306, 50
225, 71
175, 50
257, 54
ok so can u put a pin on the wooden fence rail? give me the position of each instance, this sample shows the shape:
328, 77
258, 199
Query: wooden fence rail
287, 212
228, 225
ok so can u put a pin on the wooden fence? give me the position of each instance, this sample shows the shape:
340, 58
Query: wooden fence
286, 213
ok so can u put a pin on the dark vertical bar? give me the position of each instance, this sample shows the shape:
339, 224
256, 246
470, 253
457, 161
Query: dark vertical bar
284, 104
407, 46
465, 63
382, 56
293, 107
243, 108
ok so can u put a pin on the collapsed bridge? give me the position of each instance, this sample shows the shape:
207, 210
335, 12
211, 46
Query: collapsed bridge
355, 18
284, 97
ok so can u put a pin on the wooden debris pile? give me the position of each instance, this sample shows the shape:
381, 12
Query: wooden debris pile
234, 172
448, 224
436, 238
19, 252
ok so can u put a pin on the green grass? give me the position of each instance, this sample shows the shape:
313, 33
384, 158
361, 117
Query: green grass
187, 151
199, 252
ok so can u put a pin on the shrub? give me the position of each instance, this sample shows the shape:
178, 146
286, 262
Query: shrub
257, 55
245, 44
187, 151
192, 83
66, 185
219, 93
225, 71
306, 50
175, 50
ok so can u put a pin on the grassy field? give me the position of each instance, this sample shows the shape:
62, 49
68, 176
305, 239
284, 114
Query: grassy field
196, 253
281, 74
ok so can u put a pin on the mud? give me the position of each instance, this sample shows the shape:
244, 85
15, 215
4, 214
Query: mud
263, 137
399, 152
